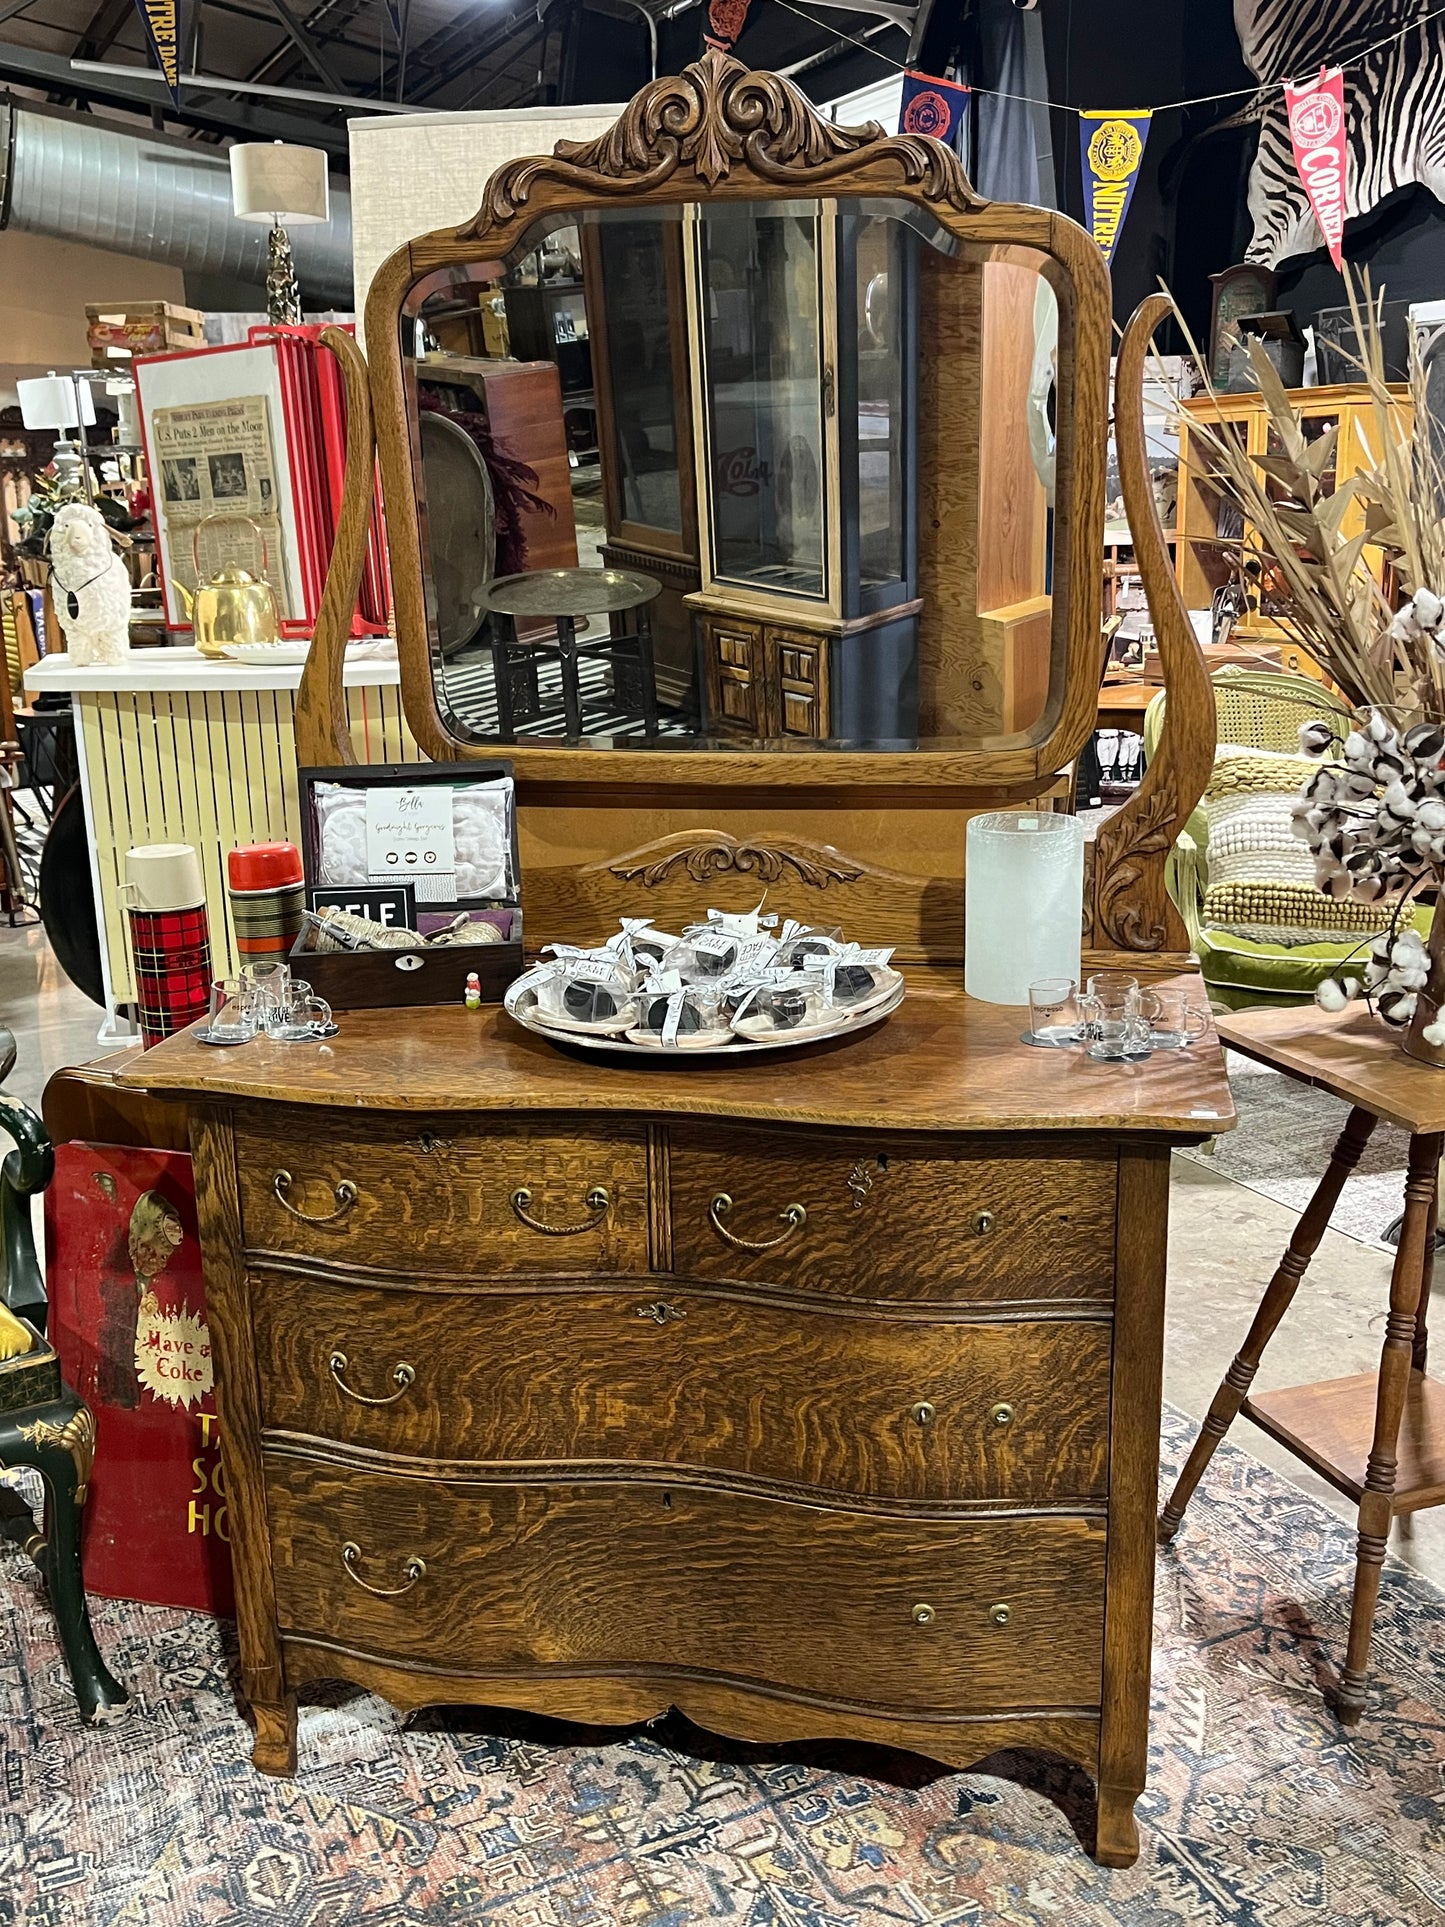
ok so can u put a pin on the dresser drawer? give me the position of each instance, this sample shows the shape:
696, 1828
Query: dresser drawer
401, 1193
925, 1616
652, 1375
861, 1218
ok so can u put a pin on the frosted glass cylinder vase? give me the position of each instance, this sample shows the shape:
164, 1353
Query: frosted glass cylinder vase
1023, 902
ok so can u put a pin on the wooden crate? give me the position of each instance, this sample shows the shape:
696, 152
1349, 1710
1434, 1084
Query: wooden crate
118, 333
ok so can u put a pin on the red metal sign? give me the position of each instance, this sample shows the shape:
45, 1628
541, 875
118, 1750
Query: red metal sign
128, 1319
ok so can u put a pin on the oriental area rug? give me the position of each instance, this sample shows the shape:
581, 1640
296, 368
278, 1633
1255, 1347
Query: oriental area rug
1261, 1811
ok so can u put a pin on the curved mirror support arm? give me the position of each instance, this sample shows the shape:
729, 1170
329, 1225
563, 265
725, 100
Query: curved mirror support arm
1131, 909
323, 735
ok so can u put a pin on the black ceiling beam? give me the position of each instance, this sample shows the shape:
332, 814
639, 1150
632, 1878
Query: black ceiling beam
104, 29
311, 54
281, 64
29, 67
431, 60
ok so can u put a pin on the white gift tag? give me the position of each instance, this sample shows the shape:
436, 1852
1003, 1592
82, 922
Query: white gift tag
410, 838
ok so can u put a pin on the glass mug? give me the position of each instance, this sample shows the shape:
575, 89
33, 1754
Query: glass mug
1177, 1021
266, 981
235, 1012
298, 1015
1118, 1017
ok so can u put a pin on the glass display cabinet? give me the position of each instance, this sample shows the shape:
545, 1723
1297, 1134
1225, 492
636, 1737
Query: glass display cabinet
804, 331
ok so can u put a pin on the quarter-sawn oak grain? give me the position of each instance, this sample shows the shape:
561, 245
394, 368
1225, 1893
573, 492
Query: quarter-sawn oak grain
719, 1385
597, 1576
435, 1191
941, 1062
891, 1223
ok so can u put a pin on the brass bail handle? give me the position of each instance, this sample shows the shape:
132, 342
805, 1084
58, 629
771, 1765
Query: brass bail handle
344, 1192
414, 1569
793, 1216
598, 1202
403, 1376
228, 515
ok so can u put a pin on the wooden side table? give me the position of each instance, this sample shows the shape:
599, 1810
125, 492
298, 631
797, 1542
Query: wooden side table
1378, 1436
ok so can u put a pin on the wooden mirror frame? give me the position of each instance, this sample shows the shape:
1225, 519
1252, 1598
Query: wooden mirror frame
720, 132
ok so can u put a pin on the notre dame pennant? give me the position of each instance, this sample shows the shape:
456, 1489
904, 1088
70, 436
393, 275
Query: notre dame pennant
162, 24
1112, 146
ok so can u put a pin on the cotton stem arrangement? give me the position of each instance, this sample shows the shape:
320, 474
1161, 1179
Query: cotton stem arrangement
1373, 817
1373, 813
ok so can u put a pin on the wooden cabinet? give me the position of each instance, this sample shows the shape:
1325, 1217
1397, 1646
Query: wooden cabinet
856, 681
1217, 546
816, 1400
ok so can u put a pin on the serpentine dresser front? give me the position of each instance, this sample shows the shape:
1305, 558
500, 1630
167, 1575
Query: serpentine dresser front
816, 1397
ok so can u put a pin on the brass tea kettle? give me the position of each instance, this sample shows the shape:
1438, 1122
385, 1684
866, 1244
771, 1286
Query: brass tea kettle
233, 605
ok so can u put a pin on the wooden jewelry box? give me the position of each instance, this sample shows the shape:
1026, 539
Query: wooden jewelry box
378, 979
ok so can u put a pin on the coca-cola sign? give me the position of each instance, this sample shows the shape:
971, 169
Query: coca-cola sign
738, 471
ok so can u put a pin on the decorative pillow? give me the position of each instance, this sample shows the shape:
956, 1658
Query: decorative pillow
1261, 876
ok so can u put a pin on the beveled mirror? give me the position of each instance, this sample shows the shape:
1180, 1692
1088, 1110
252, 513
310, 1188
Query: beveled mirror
801, 443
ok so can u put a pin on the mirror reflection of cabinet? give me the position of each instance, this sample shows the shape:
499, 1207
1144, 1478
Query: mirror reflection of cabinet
636, 303
804, 350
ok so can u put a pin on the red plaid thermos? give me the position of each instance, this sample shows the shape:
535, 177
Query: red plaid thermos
170, 937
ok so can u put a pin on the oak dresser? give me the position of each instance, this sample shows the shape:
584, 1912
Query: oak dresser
821, 1400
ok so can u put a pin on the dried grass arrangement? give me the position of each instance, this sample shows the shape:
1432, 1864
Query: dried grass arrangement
1374, 812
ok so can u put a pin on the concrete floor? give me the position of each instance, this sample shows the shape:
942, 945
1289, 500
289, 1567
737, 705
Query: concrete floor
1225, 1240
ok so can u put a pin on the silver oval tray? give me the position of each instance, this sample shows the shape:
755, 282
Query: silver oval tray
618, 1046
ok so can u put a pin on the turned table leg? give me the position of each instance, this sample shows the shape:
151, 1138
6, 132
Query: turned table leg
1235, 1385
1420, 1347
1407, 1279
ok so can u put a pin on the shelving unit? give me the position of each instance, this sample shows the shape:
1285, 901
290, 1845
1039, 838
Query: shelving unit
1213, 535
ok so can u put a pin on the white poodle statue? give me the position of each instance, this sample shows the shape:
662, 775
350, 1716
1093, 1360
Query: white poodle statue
89, 587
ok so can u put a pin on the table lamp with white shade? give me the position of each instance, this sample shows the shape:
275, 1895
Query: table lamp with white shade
277, 182
63, 402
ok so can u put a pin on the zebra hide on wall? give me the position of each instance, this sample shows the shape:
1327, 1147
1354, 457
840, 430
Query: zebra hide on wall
1394, 107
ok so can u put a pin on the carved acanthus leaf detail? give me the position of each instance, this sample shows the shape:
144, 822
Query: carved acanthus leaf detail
712, 118
1120, 866
718, 853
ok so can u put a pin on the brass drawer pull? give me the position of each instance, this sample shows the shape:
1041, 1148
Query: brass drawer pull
923, 1615
598, 1201
402, 1377
414, 1569
983, 1223
345, 1191
922, 1413
1001, 1414
659, 1313
1000, 1614
794, 1217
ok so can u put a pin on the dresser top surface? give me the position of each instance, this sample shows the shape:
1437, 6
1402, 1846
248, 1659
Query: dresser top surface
941, 1062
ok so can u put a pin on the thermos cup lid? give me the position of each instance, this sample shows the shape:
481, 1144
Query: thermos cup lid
164, 876
263, 866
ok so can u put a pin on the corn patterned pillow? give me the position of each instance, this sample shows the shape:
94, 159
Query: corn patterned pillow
1261, 877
